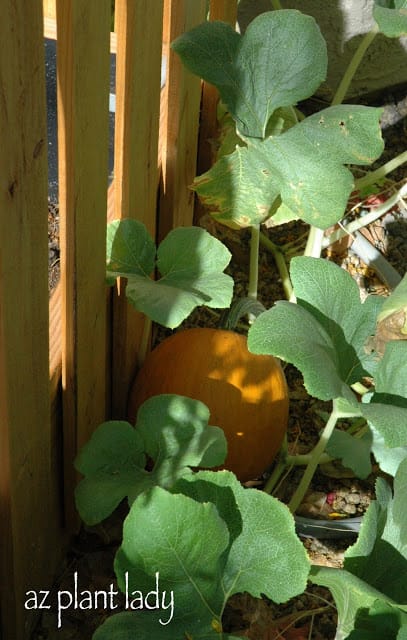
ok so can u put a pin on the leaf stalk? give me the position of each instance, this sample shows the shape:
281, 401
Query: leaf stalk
314, 460
353, 65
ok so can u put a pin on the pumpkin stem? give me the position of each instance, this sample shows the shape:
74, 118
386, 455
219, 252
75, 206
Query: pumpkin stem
280, 467
279, 259
254, 262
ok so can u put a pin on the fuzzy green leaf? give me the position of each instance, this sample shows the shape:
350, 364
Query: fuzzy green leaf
112, 462
374, 578
172, 430
331, 295
388, 458
391, 375
183, 541
311, 351
381, 620
205, 553
379, 557
280, 60
353, 452
353, 598
304, 166
271, 562
327, 329
140, 626
189, 259
391, 17
176, 436
389, 420
387, 409
130, 249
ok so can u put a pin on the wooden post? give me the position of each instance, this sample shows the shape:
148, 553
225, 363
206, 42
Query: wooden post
182, 98
138, 71
29, 518
83, 30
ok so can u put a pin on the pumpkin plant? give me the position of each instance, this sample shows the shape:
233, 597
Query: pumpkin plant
274, 165
193, 529
189, 259
205, 535
341, 345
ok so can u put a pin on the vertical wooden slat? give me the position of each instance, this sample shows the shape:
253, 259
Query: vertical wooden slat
139, 36
49, 9
183, 95
83, 86
225, 10
28, 505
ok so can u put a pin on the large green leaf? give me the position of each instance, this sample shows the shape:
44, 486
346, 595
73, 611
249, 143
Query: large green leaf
388, 458
381, 620
291, 333
112, 462
191, 263
379, 557
183, 541
391, 375
265, 556
172, 430
353, 598
327, 340
354, 452
391, 17
324, 333
331, 295
280, 60
387, 409
204, 553
144, 625
176, 436
304, 166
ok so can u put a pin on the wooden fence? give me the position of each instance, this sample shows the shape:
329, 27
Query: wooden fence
66, 363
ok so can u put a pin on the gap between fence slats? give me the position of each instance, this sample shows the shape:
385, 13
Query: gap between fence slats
83, 67
29, 517
50, 31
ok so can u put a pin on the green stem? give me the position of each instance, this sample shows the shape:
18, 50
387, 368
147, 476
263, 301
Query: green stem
302, 459
295, 246
276, 4
279, 259
279, 469
254, 262
314, 243
363, 221
378, 174
316, 454
353, 65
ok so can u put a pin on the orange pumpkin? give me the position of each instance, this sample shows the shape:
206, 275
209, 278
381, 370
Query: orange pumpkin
245, 393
